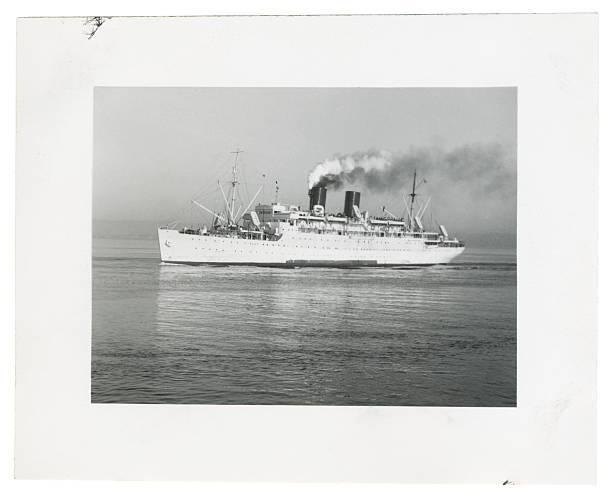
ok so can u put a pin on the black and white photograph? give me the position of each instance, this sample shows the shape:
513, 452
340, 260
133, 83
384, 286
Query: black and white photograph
307, 248
304, 246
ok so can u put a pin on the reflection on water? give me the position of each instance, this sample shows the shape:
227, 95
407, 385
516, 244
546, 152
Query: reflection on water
442, 335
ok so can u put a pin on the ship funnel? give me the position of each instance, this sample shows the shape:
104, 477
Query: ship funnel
317, 196
351, 199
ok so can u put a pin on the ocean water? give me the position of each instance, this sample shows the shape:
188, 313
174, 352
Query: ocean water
436, 336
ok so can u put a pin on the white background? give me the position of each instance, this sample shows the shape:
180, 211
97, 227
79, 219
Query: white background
372, 418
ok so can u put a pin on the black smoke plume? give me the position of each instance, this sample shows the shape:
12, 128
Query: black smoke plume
485, 169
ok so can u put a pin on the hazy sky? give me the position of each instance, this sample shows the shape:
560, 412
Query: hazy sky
157, 148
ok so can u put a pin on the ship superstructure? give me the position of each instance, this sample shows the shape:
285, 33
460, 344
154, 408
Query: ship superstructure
285, 235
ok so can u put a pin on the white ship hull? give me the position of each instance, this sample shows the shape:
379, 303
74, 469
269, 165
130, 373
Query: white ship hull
295, 248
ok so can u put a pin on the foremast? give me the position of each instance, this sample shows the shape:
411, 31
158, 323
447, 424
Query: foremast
237, 152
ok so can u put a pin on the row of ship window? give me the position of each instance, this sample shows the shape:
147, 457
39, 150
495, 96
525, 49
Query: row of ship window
381, 234
221, 240
307, 247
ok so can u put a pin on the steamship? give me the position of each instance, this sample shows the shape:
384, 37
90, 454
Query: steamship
286, 235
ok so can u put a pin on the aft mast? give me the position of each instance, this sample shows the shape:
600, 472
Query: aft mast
412, 196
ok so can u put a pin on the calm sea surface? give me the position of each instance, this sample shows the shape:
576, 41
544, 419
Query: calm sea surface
437, 336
